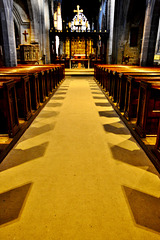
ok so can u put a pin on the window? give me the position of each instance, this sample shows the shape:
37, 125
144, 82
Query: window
80, 24
134, 37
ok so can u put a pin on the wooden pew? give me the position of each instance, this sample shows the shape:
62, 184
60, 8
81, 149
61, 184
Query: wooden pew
132, 93
116, 77
107, 78
47, 84
49, 79
111, 83
148, 108
121, 83
97, 72
9, 122
102, 74
156, 149
57, 75
34, 83
34, 86
22, 85
41, 78
48, 75
62, 71
54, 76
59, 71
19, 94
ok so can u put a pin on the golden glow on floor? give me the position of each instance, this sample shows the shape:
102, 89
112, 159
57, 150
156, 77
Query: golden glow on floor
78, 174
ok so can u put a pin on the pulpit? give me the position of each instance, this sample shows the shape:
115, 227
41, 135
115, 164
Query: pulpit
29, 53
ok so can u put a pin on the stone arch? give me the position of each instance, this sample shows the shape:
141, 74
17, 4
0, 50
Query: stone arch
34, 14
7, 29
39, 16
22, 22
17, 35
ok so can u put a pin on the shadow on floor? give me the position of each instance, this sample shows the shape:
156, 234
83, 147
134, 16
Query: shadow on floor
103, 104
145, 209
19, 156
99, 93
94, 89
60, 93
48, 114
63, 89
94, 86
108, 114
58, 98
12, 203
117, 128
54, 104
36, 131
96, 97
132, 157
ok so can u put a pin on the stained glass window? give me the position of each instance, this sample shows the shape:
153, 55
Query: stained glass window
80, 24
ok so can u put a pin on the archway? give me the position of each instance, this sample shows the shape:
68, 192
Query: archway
17, 35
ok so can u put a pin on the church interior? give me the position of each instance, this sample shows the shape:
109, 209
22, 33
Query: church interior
79, 120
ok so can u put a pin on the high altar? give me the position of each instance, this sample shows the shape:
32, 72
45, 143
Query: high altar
78, 50
78, 46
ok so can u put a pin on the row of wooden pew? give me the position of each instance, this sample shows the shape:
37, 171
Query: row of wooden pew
23, 89
135, 91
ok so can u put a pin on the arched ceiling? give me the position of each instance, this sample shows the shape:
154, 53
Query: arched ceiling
90, 9
23, 5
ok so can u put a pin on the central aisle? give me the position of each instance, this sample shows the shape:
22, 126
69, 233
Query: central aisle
78, 174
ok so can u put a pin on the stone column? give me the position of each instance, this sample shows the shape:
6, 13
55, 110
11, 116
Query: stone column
46, 31
150, 33
9, 43
111, 7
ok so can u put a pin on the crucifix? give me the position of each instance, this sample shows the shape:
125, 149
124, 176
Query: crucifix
25, 35
78, 11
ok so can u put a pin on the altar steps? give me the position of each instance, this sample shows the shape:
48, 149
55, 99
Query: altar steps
79, 72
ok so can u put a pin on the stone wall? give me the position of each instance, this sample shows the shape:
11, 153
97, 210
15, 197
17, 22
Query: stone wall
122, 17
127, 50
32, 24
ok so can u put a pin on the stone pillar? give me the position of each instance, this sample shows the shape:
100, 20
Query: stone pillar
111, 7
40, 26
46, 31
9, 43
150, 33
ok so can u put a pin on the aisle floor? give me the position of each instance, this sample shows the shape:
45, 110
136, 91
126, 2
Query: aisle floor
78, 174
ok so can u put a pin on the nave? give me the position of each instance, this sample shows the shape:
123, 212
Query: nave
77, 173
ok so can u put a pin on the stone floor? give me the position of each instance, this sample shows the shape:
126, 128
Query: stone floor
78, 174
